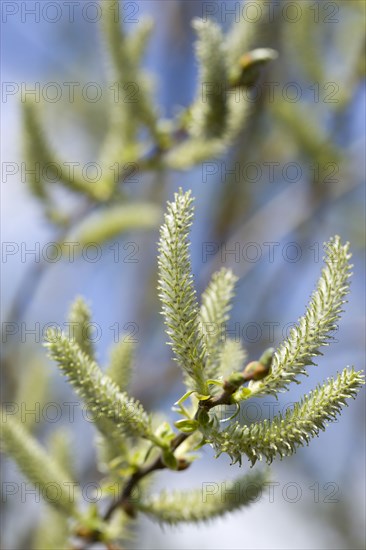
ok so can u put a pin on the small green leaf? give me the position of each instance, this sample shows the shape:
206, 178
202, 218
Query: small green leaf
215, 382
199, 445
169, 460
184, 397
203, 397
187, 426
164, 431
203, 417
241, 394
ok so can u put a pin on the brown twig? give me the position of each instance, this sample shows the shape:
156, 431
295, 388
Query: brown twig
124, 500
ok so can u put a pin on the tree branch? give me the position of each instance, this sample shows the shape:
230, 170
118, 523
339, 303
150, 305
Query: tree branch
124, 500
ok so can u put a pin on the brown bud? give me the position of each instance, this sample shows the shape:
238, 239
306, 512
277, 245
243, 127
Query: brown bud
267, 357
129, 509
84, 532
255, 371
247, 71
235, 380
183, 464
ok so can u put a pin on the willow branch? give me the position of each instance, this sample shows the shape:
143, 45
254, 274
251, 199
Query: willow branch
123, 501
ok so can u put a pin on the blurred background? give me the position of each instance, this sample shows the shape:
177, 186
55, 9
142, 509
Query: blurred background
294, 178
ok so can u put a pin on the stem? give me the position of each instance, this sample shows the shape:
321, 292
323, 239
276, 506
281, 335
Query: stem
158, 464
123, 501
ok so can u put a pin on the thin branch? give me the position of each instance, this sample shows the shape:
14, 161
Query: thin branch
124, 500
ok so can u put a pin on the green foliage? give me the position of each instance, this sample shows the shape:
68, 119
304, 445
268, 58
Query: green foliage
138, 40
177, 293
232, 357
60, 446
99, 391
80, 324
241, 39
210, 124
32, 392
125, 117
193, 151
215, 308
284, 434
204, 504
34, 462
130, 446
315, 328
52, 531
44, 162
112, 446
111, 222
35, 149
115, 414
120, 365
131, 443
209, 112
